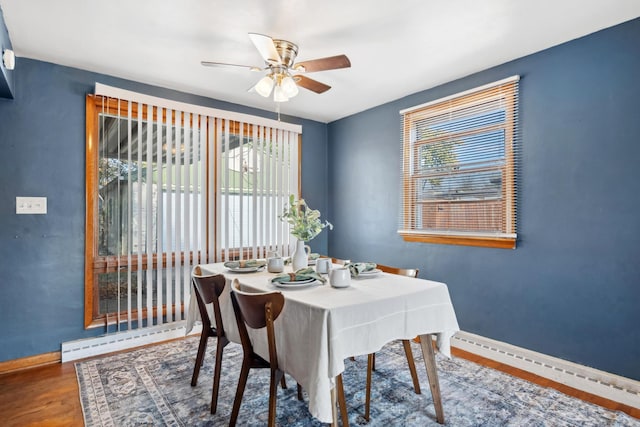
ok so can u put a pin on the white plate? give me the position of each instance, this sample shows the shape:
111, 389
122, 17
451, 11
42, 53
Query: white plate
295, 283
245, 269
312, 262
370, 272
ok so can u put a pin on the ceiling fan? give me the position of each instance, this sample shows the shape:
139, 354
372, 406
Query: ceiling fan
283, 75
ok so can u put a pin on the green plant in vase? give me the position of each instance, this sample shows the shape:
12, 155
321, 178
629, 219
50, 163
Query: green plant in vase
305, 225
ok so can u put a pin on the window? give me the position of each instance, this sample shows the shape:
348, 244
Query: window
459, 168
171, 185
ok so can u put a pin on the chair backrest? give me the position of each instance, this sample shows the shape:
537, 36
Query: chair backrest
340, 261
411, 272
257, 310
208, 290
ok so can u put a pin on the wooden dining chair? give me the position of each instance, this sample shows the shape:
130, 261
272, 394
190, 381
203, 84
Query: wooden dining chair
208, 289
257, 311
340, 261
371, 358
337, 260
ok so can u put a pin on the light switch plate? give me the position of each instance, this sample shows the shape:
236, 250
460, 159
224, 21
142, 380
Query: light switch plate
31, 205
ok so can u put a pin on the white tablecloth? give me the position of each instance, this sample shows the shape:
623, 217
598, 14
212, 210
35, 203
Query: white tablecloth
320, 326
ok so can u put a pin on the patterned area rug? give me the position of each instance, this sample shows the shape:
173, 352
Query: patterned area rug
151, 387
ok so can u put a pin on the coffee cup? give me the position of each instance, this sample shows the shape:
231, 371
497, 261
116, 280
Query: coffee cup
275, 265
323, 265
340, 277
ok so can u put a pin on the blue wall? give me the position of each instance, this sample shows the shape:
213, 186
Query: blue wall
42, 139
571, 289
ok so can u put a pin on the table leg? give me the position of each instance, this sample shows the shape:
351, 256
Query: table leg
429, 357
334, 409
341, 401
337, 398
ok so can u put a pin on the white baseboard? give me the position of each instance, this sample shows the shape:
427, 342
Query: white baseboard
79, 349
604, 384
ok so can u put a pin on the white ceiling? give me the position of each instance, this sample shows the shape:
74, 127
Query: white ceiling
396, 47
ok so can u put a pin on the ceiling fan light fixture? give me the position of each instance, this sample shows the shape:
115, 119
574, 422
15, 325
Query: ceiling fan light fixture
279, 95
289, 87
264, 86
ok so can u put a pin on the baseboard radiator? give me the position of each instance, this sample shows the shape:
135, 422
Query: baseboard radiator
604, 384
79, 349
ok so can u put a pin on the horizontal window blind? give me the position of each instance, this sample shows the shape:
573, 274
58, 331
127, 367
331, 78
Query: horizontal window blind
459, 164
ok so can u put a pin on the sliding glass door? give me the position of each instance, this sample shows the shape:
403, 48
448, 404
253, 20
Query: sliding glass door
168, 189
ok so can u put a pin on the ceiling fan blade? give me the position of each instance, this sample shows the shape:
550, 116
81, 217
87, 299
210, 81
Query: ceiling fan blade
322, 64
312, 85
266, 48
224, 64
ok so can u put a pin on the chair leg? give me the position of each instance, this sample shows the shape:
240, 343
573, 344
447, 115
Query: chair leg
367, 402
373, 364
412, 365
342, 401
242, 382
299, 391
273, 395
283, 383
202, 347
222, 342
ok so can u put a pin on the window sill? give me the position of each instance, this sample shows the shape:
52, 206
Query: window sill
463, 240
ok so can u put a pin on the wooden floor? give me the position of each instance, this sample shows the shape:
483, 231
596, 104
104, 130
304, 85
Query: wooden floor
48, 395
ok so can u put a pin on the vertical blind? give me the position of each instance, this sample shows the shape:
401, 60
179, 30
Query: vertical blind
181, 185
459, 163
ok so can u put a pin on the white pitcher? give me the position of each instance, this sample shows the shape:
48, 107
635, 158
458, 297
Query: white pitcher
300, 258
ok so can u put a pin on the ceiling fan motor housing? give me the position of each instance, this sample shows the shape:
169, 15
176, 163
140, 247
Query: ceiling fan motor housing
287, 51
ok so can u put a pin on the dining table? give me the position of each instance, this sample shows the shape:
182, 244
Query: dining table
321, 326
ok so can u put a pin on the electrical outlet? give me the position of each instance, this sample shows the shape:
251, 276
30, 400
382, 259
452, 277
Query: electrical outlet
31, 205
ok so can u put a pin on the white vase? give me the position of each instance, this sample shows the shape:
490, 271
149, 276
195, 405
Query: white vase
300, 258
